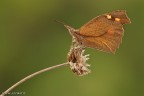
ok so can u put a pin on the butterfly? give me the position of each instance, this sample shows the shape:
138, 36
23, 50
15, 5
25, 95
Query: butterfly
103, 32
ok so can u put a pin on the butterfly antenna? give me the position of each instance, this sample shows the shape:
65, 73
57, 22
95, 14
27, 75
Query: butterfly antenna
65, 25
60, 22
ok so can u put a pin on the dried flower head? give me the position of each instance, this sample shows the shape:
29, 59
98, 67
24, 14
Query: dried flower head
77, 59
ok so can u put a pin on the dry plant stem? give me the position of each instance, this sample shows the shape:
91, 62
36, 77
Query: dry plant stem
30, 76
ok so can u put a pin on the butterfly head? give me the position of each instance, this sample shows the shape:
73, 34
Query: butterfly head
70, 29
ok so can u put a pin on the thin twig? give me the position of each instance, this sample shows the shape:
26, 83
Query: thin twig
30, 76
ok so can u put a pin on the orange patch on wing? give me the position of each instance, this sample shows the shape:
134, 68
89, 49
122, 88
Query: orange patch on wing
110, 31
108, 16
117, 19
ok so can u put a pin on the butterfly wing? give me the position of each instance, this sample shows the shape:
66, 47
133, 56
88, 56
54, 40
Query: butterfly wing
104, 32
107, 42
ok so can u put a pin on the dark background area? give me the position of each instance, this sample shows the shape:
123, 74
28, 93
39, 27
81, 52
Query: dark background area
30, 40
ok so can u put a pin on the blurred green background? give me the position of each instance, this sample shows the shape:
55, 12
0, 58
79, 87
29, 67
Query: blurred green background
30, 40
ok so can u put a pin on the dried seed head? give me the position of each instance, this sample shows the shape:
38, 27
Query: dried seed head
77, 60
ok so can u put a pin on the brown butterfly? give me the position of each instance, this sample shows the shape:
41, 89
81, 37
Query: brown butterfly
103, 33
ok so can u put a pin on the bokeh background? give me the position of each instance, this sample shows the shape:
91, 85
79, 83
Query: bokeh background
30, 40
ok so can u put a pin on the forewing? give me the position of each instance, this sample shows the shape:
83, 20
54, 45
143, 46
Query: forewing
104, 32
95, 27
99, 25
